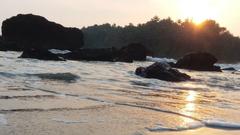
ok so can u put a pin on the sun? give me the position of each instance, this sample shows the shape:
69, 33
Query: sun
199, 10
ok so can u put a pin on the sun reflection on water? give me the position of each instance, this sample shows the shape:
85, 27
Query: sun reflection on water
189, 108
191, 96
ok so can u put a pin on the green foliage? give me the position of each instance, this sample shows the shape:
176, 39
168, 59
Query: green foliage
166, 38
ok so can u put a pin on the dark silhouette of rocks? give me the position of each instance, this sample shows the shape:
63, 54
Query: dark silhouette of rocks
1, 41
200, 61
40, 54
8, 46
162, 71
134, 51
107, 54
32, 31
128, 53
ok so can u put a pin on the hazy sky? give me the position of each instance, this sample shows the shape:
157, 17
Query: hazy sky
79, 13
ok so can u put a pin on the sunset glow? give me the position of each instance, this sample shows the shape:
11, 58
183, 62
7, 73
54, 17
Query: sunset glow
200, 10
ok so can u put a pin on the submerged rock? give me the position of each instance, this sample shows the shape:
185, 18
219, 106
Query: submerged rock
66, 77
40, 54
162, 71
31, 31
200, 61
229, 69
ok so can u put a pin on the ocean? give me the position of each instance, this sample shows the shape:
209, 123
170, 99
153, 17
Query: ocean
73, 97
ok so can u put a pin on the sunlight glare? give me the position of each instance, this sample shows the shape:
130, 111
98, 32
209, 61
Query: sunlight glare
190, 106
200, 10
191, 97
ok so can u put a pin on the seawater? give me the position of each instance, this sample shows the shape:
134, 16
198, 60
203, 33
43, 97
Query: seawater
210, 99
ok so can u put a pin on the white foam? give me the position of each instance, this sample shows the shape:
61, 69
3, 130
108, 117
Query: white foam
154, 59
217, 124
221, 124
189, 126
3, 120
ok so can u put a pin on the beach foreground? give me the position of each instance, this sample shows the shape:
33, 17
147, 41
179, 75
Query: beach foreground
85, 117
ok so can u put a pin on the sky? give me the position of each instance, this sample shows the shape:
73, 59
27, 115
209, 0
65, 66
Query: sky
79, 13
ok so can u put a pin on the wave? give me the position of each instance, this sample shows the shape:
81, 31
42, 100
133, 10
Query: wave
155, 59
216, 124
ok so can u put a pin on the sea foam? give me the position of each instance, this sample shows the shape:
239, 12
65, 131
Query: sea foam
216, 124
154, 59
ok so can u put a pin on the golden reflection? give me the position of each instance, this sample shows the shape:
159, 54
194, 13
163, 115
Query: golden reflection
190, 107
191, 96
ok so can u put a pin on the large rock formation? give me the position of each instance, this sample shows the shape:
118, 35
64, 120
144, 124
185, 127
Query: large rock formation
200, 61
32, 31
162, 71
40, 54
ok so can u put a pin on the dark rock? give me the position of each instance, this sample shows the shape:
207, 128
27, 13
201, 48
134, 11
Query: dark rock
125, 54
104, 54
134, 51
200, 61
40, 54
229, 69
162, 71
9, 46
172, 64
107, 54
32, 31
1, 41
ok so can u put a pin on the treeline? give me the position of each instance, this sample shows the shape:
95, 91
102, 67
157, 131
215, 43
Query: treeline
167, 38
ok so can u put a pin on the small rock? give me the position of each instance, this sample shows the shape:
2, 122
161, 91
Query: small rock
162, 71
200, 61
